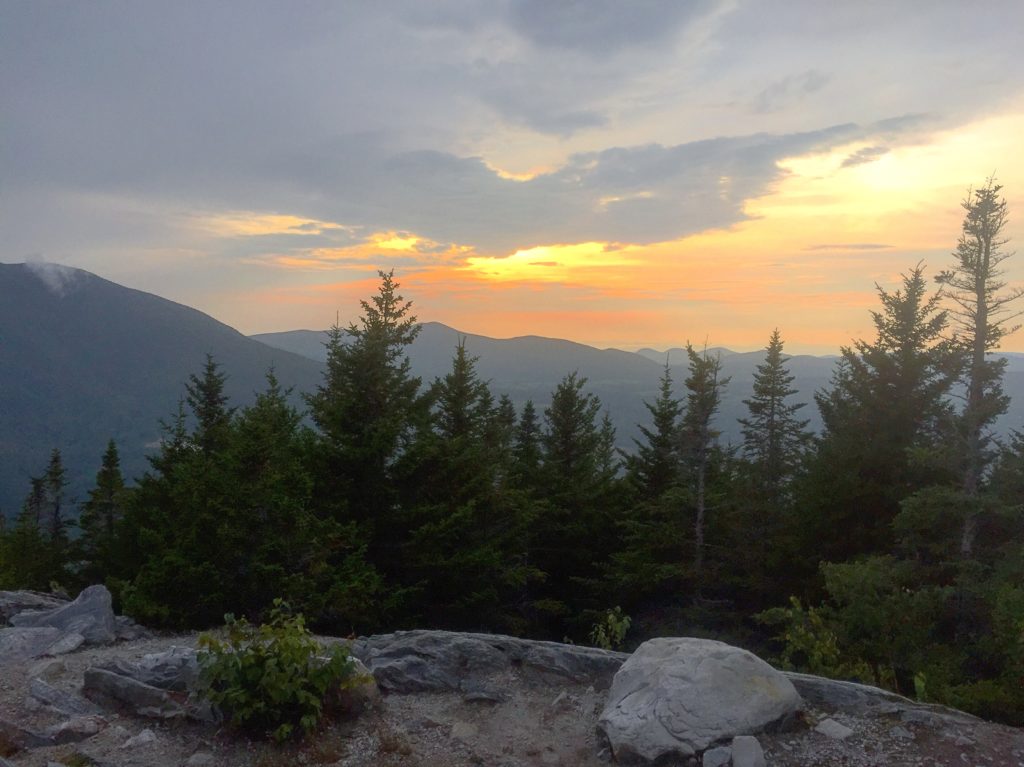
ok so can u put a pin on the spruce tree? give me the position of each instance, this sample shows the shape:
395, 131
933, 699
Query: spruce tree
368, 410
574, 530
100, 518
704, 387
774, 438
982, 312
885, 415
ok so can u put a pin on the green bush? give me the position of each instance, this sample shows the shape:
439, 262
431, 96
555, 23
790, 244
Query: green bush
609, 633
272, 680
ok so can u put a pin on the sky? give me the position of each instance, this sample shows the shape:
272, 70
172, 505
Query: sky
628, 174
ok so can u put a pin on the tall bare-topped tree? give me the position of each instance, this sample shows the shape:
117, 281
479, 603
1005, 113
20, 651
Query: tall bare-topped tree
983, 314
704, 395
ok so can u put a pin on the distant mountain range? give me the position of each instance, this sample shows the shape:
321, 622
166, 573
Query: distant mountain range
83, 359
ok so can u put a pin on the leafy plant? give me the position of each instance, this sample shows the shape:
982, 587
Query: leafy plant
609, 633
271, 680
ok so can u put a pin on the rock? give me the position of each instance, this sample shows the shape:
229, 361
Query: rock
833, 729
77, 729
678, 696
201, 759
422, 661
359, 693
717, 757
21, 644
48, 669
67, 643
22, 737
747, 752
141, 699
484, 696
91, 615
14, 602
901, 733
144, 738
64, 702
128, 630
176, 669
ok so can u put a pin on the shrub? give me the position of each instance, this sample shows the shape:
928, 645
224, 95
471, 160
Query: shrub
609, 633
272, 680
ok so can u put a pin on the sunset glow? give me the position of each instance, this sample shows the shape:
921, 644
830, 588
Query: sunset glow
652, 181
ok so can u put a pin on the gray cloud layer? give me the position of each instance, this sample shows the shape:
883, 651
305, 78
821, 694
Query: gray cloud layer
386, 116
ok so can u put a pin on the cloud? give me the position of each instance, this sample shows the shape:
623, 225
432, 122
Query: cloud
789, 90
600, 27
865, 155
57, 278
866, 246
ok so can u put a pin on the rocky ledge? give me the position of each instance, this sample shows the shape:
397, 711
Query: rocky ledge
79, 686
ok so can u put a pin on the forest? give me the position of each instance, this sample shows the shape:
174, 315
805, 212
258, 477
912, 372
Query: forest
889, 548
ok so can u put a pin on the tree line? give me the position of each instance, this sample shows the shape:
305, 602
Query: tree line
888, 548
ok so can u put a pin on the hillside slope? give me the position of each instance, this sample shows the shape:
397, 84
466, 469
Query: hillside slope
83, 359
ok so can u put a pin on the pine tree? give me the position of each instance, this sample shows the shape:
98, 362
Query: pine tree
774, 439
368, 410
654, 466
526, 452
704, 387
574, 530
100, 518
208, 403
884, 416
982, 312
468, 549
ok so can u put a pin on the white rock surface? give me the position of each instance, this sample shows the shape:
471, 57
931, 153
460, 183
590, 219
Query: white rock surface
747, 752
681, 695
717, 757
833, 729
90, 615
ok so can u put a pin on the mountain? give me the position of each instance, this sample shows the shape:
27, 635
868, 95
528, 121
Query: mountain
83, 359
529, 367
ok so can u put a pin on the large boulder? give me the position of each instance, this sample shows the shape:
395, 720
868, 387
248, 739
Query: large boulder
108, 687
90, 615
438, 661
678, 696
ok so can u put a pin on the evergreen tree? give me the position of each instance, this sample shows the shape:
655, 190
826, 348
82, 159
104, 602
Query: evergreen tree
885, 416
774, 438
982, 311
704, 387
653, 468
469, 545
100, 518
209, 405
368, 410
574, 531
526, 451
647, 572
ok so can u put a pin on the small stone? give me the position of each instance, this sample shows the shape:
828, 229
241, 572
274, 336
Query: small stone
483, 696
74, 730
201, 759
832, 729
119, 732
901, 733
963, 740
464, 732
717, 757
747, 752
144, 738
